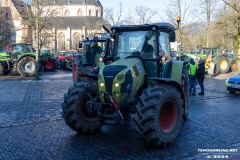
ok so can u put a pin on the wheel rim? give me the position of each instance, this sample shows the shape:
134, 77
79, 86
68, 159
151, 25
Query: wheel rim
28, 67
49, 65
223, 64
168, 117
88, 109
70, 65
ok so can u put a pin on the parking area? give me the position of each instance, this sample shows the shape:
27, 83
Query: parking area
31, 125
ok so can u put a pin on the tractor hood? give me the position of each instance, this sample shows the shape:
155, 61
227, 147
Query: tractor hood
4, 56
60, 58
121, 79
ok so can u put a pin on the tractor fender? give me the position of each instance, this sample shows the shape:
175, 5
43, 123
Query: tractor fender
173, 70
171, 82
25, 55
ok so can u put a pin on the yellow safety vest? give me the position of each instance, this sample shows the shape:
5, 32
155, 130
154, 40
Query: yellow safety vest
192, 69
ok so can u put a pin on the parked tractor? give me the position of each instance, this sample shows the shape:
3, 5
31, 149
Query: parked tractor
215, 62
65, 59
22, 58
142, 78
86, 62
47, 60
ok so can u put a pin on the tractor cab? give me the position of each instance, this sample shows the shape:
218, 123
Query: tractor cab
21, 48
151, 43
92, 48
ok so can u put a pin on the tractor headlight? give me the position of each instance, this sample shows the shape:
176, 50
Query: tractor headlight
101, 84
116, 84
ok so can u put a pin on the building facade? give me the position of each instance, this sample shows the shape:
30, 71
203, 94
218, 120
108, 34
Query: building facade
12, 30
73, 20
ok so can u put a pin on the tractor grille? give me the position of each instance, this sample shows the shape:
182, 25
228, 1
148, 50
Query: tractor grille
109, 74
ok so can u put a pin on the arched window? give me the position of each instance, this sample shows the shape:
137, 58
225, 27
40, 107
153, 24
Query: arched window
76, 39
90, 12
61, 41
66, 13
96, 13
79, 13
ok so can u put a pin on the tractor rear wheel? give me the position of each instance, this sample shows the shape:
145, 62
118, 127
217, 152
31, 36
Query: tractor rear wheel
79, 111
222, 65
159, 114
70, 65
3, 69
185, 91
83, 70
27, 66
50, 65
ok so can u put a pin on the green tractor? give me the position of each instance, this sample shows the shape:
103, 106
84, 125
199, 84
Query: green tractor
141, 79
22, 58
86, 62
47, 60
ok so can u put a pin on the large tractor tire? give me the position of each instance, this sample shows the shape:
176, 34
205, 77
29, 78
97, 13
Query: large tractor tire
50, 65
3, 69
159, 114
222, 65
27, 66
70, 65
185, 91
79, 112
83, 70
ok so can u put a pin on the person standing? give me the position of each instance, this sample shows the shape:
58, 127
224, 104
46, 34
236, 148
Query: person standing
200, 75
192, 77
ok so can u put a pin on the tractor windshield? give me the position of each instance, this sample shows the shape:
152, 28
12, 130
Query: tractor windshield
129, 42
22, 48
62, 53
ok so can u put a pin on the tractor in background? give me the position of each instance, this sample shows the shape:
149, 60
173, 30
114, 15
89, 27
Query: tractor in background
141, 76
92, 48
215, 62
47, 60
66, 59
21, 58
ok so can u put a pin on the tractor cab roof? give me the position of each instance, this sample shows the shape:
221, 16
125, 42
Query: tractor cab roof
161, 26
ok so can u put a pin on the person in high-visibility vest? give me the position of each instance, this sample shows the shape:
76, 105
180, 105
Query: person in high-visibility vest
192, 77
200, 75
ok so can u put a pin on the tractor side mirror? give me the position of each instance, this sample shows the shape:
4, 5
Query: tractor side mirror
80, 45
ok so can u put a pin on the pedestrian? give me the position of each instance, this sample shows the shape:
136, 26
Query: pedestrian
200, 75
192, 69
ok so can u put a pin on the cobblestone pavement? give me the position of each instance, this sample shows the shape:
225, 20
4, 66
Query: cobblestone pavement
31, 126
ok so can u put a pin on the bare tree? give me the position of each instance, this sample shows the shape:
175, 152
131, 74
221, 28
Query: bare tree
129, 19
208, 9
144, 15
38, 16
114, 18
235, 5
184, 9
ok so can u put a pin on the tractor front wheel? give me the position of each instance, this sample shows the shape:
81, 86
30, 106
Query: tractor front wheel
222, 65
78, 108
159, 114
3, 69
27, 66
50, 65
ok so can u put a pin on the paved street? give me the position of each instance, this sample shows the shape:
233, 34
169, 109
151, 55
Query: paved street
31, 126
